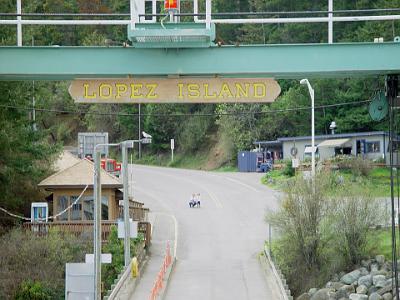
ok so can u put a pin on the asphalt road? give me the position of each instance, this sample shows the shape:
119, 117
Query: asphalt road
217, 244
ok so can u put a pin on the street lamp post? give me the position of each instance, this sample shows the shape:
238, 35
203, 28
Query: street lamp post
125, 145
311, 91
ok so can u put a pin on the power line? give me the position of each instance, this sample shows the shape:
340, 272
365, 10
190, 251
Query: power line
306, 12
185, 114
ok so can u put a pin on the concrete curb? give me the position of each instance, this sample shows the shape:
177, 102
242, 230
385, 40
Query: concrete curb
265, 260
166, 280
129, 285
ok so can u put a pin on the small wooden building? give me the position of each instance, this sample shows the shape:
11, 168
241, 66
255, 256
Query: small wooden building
67, 184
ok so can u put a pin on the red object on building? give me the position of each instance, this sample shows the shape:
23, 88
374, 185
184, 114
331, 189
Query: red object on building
111, 166
171, 4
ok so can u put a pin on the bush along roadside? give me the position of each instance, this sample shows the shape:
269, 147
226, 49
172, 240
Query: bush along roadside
319, 232
372, 280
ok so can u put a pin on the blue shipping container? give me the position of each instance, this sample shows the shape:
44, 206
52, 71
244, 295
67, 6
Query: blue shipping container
247, 161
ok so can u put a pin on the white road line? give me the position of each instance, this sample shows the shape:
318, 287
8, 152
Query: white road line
144, 191
175, 229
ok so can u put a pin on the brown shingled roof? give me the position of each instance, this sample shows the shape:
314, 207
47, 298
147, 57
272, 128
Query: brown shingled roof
79, 175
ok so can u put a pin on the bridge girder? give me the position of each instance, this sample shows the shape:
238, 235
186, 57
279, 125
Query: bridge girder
277, 61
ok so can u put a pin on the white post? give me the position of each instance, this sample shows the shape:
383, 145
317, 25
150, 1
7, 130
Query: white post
134, 14
97, 225
208, 14
19, 25
312, 133
311, 91
127, 249
195, 10
139, 137
330, 22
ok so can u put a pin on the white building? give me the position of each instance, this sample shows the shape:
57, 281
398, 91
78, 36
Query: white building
371, 145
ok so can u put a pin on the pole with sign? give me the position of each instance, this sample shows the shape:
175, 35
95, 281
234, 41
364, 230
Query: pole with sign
172, 149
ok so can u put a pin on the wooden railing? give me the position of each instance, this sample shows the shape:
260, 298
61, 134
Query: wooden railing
84, 229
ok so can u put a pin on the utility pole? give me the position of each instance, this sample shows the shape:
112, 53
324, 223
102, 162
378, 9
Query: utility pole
139, 136
127, 248
97, 225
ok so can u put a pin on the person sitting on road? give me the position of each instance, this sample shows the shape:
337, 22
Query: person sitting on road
198, 200
192, 201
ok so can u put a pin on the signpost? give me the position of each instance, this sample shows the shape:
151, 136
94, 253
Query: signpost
172, 90
172, 149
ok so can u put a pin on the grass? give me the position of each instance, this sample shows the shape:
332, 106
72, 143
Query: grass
275, 179
377, 182
380, 242
226, 169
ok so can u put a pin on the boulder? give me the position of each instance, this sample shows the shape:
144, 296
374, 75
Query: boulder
304, 296
336, 285
387, 296
349, 278
365, 280
340, 294
375, 296
374, 267
379, 272
380, 259
322, 294
312, 291
349, 288
362, 289
358, 297
379, 280
385, 290
364, 271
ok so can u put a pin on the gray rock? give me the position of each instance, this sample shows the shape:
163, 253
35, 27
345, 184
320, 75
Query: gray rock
364, 271
379, 281
366, 263
385, 290
304, 296
349, 288
312, 291
322, 294
335, 278
374, 267
387, 296
365, 280
336, 285
340, 294
375, 296
379, 272
362, 289
358, 297
389, 282
372, 289
380, 259
349, 278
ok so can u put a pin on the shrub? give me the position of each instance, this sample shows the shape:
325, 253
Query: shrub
25, 256
288, 169
300, 223
33, 291
356, 165
353, 213
322, 232
115, 246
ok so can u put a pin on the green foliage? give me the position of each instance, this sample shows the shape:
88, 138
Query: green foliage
32, 291
322, 232
115, 246
356, 165
26, 257
288, 170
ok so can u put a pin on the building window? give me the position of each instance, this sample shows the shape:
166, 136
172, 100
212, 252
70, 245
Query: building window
76, 210
104, 208
62, 204
373, 147
88, 208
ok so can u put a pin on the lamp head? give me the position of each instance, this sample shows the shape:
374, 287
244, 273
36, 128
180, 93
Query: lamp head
304, 81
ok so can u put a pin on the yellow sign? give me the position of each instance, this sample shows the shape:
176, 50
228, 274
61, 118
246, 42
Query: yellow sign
187, 90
